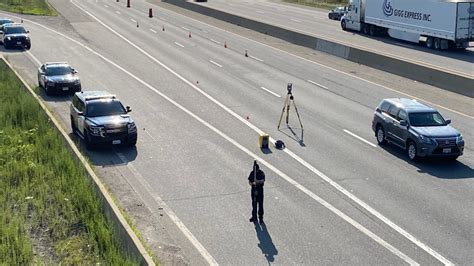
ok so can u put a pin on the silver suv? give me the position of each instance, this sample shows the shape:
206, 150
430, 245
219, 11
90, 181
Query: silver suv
417, 128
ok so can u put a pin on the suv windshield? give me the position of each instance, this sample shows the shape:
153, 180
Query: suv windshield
431, 119
58, 71
5, 21
105, 108
14, 30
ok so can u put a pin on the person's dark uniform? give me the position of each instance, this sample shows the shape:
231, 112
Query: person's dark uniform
256, 181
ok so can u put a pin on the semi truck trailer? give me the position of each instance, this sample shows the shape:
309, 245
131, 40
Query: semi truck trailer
439, 24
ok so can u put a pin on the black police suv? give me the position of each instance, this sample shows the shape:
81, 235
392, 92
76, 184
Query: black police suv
4, 21
58, 77
417, 128
15, 36
99, 117
337, 13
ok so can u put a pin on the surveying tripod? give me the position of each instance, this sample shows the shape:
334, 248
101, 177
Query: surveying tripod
286, 106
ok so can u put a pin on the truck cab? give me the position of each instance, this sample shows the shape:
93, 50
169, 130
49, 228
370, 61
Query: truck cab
353, 19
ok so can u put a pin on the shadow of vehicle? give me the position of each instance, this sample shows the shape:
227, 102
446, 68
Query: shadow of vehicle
106, 155
438, 167
466, 55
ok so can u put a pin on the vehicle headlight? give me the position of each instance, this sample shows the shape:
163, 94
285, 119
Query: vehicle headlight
459, 138
96, 131
77, 81
424, 139
9, 38
132, 127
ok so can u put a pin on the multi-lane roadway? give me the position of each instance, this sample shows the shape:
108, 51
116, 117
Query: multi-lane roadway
315, 22
333, 197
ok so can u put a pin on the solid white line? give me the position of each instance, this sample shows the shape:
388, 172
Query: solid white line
317, 84
184, 28
360, 138
260, 12
258, 59
296, 157
215, 63
334, 69
186, 232
267, 90
133, 20
215, 41
178, 44
152, 30
38, 62
296, 20
162, 18
118, 12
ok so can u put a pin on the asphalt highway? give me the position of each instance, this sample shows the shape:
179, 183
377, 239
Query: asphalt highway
332, 197
315, 22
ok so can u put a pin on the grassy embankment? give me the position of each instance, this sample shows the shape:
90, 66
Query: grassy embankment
325, 4
49, 212
30, 7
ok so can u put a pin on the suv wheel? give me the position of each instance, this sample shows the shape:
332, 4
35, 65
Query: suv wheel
73, 126
87, 141
380, 134
412, 150
343, 25
47, 91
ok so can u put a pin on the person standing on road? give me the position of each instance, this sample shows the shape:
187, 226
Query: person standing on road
256, 182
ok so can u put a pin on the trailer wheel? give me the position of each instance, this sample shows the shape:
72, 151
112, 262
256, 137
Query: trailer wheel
429, 43
365, 29
372, 30
437, 43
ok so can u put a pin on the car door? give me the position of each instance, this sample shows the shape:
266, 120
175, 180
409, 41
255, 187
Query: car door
391, 123
401, 131
81, 118
41, 76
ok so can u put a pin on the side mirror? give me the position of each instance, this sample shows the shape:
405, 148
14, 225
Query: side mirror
27, 31
403, 123
73, 71
80, 113
128, 109
448, 121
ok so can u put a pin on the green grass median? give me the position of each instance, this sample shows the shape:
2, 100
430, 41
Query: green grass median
50, 213
30, 7
325, 4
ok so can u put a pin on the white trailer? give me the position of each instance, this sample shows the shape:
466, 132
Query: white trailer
440, 24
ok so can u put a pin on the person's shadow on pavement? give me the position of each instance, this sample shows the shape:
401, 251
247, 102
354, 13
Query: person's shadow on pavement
266, 245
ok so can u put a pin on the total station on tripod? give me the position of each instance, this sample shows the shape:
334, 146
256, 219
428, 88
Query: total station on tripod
289, 87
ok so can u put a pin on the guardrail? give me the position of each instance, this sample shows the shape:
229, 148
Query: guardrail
426, 74
128, 239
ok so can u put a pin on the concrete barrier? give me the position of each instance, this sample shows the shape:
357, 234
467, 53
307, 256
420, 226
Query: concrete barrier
128, 240
445, 80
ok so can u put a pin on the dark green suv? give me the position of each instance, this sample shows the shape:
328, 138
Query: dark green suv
99, 117
417, 128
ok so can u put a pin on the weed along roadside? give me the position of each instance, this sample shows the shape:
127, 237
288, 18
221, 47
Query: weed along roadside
53, 208
28, 7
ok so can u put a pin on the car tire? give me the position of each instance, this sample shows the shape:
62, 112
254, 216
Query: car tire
329, 16
132, 143
343, 25
88, 143
47, 91
412, 151
73, 126
380, 135
6, 46
452, 158
28, 46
